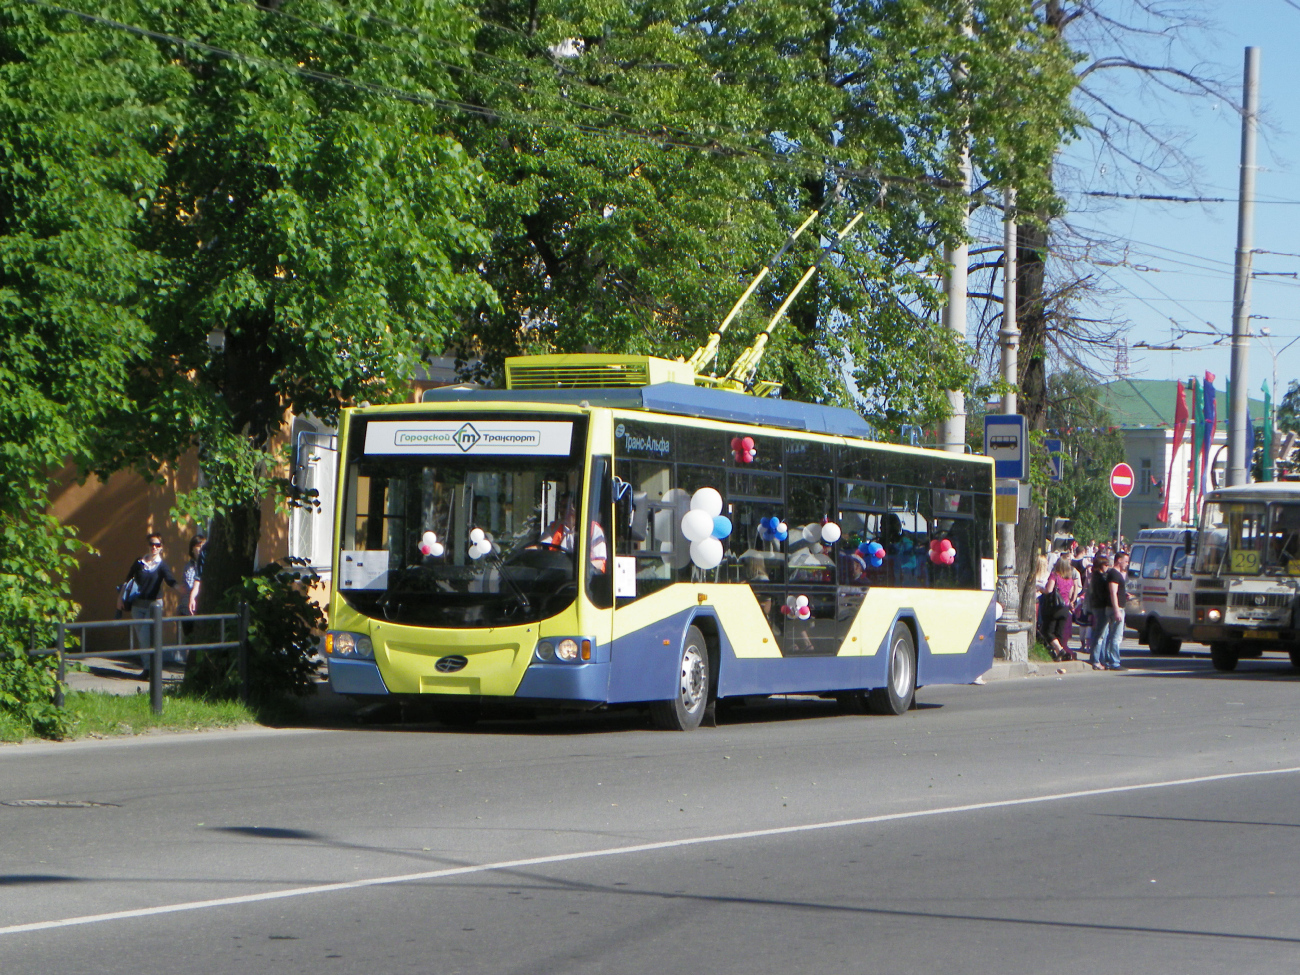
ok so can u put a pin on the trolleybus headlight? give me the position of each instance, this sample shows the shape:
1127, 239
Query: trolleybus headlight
567, 649
1214, 616
342, 644
545, 651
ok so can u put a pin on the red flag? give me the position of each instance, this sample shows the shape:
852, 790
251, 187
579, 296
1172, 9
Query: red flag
1180, 427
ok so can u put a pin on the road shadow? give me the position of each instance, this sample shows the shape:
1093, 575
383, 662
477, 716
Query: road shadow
1193, 662
325, 709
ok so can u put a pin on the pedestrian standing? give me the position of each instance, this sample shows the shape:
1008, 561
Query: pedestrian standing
191, 583
1056, 606
1116, 597
147, 573
1096, 602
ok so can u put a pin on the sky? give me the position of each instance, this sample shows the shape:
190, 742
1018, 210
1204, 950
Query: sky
1175, 281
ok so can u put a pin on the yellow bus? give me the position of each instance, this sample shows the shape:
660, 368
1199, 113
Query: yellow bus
604, 532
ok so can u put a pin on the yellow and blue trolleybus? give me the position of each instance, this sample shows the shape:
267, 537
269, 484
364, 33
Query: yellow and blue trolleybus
602, 531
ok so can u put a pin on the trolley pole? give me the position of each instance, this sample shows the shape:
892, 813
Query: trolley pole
1238, 406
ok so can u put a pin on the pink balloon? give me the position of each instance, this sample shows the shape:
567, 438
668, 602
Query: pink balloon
736, 443
803, 612
425, 548
945, 545
949, 557
747, 443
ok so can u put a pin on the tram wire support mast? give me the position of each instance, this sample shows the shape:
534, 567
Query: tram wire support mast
1238, 407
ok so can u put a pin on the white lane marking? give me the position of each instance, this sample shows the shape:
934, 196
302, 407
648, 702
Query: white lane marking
407, 878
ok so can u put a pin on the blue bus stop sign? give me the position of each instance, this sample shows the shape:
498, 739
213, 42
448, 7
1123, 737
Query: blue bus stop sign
1055, 461
1006, 440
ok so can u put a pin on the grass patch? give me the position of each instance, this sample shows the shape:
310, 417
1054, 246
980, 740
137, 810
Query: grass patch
96, 714
1040, 654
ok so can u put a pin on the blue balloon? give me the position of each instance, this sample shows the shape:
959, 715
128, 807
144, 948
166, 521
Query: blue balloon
721, 526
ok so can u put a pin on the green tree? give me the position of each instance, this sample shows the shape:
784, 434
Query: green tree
82, 122
1092, 447
645, 159
315, 212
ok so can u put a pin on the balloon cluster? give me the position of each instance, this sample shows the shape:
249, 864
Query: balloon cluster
429, 545
773, 529
942, 552
796, 606
479, 544
705, 526
743, 448
873, 553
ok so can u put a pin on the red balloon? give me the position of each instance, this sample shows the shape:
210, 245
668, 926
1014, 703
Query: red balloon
747, 443
736, 443
945, 545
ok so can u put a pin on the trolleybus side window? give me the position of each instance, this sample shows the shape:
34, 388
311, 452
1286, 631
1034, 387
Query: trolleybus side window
1178, 563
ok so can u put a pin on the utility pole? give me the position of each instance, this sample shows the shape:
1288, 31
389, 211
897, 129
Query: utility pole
1011, 640
1238, 406
952, 432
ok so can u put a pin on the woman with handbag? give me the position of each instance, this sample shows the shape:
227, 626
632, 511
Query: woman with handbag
1058, 599
146, 576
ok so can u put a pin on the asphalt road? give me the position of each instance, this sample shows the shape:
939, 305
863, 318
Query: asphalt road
1140, 821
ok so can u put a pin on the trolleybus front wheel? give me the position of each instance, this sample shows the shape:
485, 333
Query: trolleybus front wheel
896, 696
1223, 656
685, 711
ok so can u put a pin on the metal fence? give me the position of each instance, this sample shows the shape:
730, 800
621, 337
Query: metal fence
156, 652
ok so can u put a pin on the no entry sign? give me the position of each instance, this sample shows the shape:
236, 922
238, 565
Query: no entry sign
1121, 480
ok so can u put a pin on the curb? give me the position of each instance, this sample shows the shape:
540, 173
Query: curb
1010, 669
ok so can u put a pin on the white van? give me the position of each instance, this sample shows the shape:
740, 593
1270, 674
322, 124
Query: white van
1160, 588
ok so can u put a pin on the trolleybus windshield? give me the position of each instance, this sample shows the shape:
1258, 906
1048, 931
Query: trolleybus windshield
473, 534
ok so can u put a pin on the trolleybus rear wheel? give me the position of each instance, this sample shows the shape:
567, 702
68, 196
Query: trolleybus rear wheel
686, 710
1223, 656
900, 675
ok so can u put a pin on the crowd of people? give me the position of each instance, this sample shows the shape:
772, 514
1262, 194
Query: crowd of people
1085, 588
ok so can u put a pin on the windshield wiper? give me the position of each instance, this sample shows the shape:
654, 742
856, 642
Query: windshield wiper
524, 602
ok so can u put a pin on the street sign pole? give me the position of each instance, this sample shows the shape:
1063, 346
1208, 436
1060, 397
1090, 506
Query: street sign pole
1121, 485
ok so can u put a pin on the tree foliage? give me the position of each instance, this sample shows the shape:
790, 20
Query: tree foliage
685, 140
82, 117
1092, 447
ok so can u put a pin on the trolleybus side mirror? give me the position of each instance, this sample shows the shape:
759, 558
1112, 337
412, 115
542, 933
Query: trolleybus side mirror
638, 516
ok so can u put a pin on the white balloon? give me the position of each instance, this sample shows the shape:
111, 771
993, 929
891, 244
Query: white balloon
706, 553
475, 552
429, 538
697, 525
811, 532
800, 602
436, 549
476, 535
782, 527
830, 533
998, 609
707, 499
